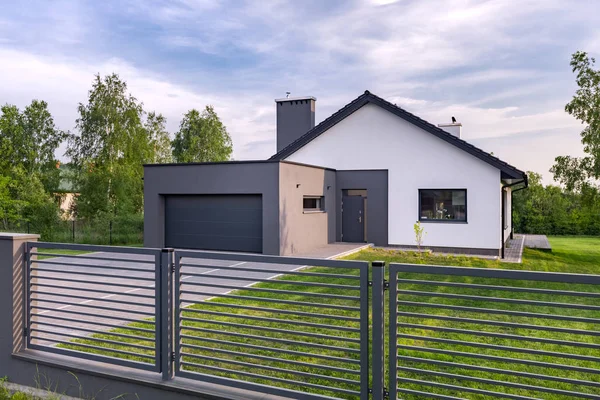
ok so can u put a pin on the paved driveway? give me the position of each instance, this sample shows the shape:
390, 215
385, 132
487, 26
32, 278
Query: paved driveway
66, 307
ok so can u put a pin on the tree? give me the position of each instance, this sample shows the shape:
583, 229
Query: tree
10, 208
11, 136
29, 140
159, 138
111, 148
202, 137
552, 210
575, 173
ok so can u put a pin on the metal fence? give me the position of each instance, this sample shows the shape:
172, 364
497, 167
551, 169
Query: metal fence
309, 333
101, 305
316, 329
127, 230
464, 332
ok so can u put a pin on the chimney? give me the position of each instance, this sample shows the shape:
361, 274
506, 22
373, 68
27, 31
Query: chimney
454, 128
295, 117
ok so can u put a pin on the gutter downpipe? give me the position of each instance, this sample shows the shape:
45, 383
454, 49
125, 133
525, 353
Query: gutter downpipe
503, 207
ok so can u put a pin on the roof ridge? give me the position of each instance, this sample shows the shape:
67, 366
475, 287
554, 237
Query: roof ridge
367, 97
411, 115
322, 123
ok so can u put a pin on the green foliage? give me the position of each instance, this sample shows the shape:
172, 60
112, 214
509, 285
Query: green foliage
419, 234
575, 172
202, 137
9, 206
550, 210
28, 173
113, 143
159, 138
29, 140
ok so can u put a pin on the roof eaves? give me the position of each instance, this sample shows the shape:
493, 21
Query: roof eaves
368, 97
332, 120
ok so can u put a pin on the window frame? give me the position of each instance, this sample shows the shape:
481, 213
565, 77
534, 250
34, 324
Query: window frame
320, 204
444, 221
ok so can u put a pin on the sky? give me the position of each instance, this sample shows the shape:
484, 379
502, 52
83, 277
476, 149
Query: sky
500, 67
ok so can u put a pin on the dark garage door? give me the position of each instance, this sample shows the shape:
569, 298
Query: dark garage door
214, 222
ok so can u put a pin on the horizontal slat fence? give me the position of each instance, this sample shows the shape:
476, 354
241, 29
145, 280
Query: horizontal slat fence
469, 333
274, 327
308, 328
94, 302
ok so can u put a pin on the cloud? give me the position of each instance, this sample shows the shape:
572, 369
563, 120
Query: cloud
501, 70
63, 83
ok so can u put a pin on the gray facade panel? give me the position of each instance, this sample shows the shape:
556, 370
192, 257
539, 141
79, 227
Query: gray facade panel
214, 179
294, 119
376, 184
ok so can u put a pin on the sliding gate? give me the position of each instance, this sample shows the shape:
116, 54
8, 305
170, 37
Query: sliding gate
273, 325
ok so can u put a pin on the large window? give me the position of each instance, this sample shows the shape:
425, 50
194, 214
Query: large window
443, 205
313, 203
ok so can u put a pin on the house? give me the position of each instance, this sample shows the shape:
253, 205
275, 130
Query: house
66, 195
365, 174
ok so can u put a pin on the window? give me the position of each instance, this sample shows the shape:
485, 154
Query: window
443, 205
313, 203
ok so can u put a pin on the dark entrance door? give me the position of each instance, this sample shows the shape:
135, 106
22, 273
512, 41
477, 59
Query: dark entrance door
353, 219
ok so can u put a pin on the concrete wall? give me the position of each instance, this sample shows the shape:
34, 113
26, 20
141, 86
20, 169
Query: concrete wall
301, 231
218, 178
376, 184
374, 139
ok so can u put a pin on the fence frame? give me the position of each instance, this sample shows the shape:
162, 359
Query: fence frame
362, 266
168, 312
159, 323
396, 269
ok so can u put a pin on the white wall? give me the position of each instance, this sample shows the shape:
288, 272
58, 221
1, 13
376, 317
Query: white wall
372, 138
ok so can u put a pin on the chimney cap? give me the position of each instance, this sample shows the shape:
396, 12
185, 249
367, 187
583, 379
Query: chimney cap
295, 99
449, 124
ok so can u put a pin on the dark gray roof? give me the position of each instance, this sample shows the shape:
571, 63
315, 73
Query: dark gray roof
507, 170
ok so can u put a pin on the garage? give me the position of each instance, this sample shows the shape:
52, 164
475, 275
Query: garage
231, 222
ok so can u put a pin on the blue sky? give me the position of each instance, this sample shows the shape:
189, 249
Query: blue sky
501, 67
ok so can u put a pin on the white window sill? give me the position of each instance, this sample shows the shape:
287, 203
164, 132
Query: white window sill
313, 211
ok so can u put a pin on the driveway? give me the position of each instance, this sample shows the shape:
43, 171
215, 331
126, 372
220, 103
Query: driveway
65, 307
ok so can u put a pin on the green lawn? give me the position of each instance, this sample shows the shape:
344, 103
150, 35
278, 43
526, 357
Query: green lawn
58, 252
212, 339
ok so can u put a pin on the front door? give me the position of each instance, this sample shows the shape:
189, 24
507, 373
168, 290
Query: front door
353, 219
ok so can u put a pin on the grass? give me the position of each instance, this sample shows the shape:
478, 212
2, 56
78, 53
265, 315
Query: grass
210, 338
59, 252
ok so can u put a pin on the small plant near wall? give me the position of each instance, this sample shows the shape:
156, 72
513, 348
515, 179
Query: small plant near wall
419, 235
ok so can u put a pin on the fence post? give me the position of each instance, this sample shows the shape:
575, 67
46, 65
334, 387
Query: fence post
13, 290
166, 313
73, 223
393, 331
377, 304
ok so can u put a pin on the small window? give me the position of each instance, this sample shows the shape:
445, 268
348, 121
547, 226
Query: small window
443, 205
313, 203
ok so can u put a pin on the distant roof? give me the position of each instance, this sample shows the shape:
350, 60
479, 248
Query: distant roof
507, 170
